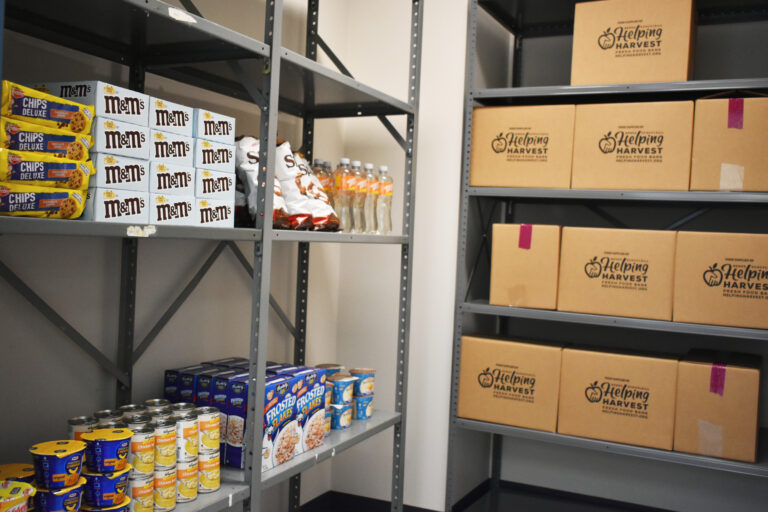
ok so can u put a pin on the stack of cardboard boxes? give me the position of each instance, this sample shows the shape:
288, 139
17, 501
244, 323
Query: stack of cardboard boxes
215, 164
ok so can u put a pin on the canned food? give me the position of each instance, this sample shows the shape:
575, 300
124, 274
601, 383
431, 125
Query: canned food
363, 408
112, 424
154, 403
106, 489
140, 491
328, 417
162, 413
14, 496
58, 463
208, 420
164, 493
52, 500
105, 415
364, 382
79, 425
131, 410
183, 406
331, 368
17, 472
165, 444
209, 472
120, 507
138, 420
107, 449
341, 416
343, 388
143, 451
187, 436
186, 481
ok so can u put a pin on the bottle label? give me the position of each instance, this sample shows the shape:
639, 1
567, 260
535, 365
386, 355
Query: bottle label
325, 182
351, 184
385, 189
362, 186
373, 187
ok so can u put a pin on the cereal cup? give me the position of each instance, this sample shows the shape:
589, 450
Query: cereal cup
58, 463
186, 481
331, 368
107, 449
55, 500
122, 507
343, 388
363, 407
17, 472
209, 472
14, 496
106, 489
341, 416
328, 394
328, 419
364, 382
140, 491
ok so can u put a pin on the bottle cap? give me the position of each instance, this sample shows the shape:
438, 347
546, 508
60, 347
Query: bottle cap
383, 168
344, 161
369, 166
317, 162
355, 163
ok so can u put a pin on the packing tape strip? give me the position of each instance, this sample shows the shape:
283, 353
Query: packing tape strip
526, 233
736, 113
717, 379
731, 176
710, 439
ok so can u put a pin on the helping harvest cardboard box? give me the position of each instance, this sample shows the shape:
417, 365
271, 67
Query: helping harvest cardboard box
636, 146
722, 279
625, 41
623, 272
717, 396
729, 149
509, 382
618, 397
522, 146
524, 265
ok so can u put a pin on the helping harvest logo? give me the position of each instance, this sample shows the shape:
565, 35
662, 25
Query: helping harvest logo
618, 396
632, 40
617, 270
633, 144
522, 145
508, 382
738, 278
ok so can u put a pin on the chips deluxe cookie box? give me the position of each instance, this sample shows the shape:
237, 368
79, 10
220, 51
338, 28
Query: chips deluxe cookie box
33, 201
44, 170
39, 107
120, 206
214, 127
121, 172
23, 136
109, 100
171, 117
120, 138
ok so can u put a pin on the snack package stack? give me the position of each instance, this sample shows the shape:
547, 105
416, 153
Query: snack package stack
247, 164
44, 157
214, 160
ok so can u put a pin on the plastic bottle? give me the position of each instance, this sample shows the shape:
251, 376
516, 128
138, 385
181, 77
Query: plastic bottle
370, 198
324, 177
358, 197
384, 203
341, 204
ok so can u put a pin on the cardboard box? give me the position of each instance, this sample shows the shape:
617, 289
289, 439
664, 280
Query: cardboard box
237, 412
214, 156
214, 127
171, 117
717, 397
120, 138
635, 146
522, 146
279, 414
618, 397
215, 213
509, 382
171, 381
171, 148
114, 205
120, 172
722, 279
729, 149
171, 179
525, 261
625, 41
110, 101
221, 384
622, 272
204, 391
214, 185
310, 408
189, 381
172, 210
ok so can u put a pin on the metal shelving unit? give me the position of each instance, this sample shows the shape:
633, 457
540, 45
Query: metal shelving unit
150, 36
481, 206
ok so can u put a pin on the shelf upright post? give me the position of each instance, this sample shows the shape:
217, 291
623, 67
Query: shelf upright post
461, 262
262, 254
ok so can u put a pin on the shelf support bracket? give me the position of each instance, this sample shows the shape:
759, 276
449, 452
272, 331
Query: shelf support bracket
190, 6
126, 318
485, 228
247, 83
64, 326
688, 218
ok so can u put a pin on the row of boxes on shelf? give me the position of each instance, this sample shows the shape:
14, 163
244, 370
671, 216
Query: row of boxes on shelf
704, 403
697, 277
635, 146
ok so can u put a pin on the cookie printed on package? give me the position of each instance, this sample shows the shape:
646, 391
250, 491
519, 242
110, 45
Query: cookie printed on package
32, 201
23, 136
44, 170
28, 104
109, 100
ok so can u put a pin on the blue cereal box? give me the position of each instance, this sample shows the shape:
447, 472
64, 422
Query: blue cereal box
310, 408
204, 389
220, 390
281, 433
237, 411
171, 382
227, 361
188, 382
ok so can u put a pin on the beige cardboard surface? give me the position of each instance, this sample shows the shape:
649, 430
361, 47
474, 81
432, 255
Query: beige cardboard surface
509, 382
636, 146
525, 277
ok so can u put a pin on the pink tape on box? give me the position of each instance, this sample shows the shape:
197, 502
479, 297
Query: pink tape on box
717, 379
736, 113
526, 233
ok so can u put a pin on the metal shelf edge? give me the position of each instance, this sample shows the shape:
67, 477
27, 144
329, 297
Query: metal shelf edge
757, 469
233, 490
318, 236
626, 195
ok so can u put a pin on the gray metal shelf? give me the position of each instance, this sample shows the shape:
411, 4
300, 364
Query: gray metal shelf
483, 308
232, 492
759, 468
336, 442
336, 238
621, 195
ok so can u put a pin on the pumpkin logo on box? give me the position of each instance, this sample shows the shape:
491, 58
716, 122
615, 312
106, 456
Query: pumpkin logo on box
522, 145
508, 383
633, 145
741, 278
617, 396
632, 41
618, 272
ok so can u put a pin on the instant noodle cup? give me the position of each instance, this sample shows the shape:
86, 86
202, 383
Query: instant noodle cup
106, 489
143, 451
122, 507
363, 407
56, 500
165, 443
341, 416
187, 435
328, 394
165, 490
141, 490
331, 368
17, 472
186, 481
79, 425
107, 449
14, 496
209, 420
328, 420
343, 388
209, 472
364, 383
58, 463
